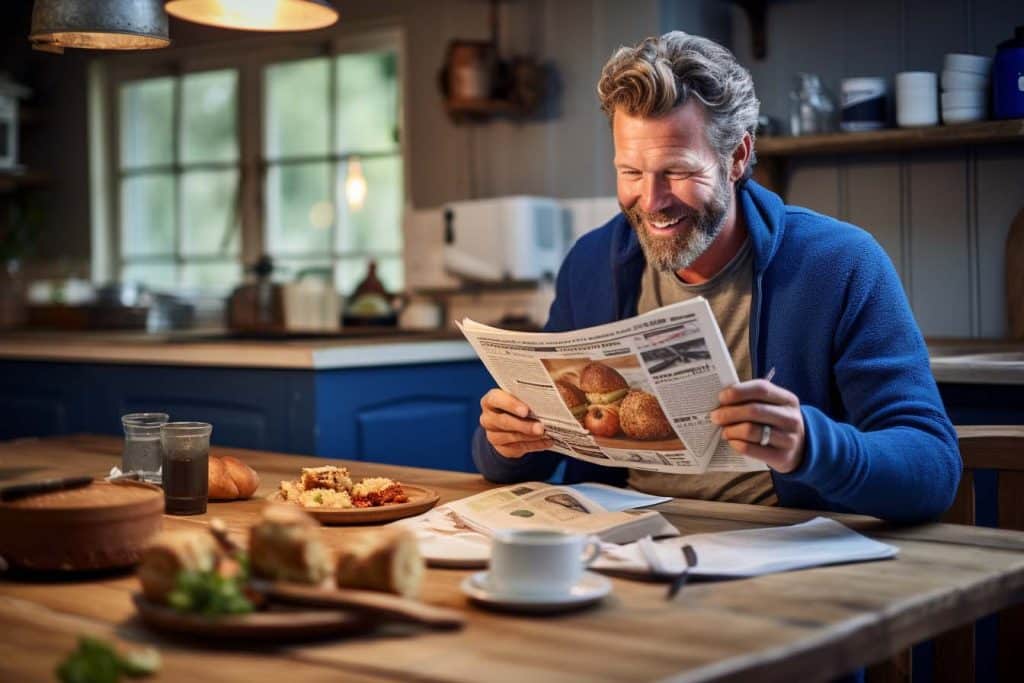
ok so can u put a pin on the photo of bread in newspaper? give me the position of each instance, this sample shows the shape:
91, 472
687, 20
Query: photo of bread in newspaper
608, 396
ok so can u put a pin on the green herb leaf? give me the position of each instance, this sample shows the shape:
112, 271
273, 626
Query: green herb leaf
210, 594
95, 661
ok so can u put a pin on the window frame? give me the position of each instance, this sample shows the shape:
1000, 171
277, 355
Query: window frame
249, 56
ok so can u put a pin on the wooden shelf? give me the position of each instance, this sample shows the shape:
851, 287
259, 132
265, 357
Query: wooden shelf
479, 110
893, 140
30, 116
10, 181
478, 287
775, 153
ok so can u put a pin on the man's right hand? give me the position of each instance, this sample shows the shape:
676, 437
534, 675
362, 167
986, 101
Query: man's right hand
504, 419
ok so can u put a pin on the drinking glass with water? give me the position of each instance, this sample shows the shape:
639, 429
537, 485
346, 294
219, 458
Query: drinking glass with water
142, 452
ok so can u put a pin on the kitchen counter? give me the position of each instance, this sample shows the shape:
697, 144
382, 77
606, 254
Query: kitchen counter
358, 394
977, 361
961, 361
346, 349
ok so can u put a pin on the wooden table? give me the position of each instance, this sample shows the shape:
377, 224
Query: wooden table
808, 625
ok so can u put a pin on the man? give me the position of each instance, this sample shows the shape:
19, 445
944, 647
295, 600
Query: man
853, 420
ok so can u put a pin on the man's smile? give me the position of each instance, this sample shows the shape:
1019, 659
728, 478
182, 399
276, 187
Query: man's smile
664, 226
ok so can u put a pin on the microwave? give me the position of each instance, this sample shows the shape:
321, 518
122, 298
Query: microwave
505, 238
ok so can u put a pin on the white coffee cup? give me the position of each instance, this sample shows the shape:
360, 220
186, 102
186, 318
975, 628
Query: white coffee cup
539, 562
917, 98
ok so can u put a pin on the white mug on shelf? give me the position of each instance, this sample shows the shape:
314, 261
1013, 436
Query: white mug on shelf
917, 98
539, 562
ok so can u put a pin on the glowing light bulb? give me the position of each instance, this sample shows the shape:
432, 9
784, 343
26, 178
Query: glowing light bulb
255, 13
355, 185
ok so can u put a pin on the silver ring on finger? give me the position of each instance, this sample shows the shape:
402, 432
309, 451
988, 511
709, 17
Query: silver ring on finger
766, 435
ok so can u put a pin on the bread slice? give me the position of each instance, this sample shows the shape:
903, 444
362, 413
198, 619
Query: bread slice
326, 477
387, 561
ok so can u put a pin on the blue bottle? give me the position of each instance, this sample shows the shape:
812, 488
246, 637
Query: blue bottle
1008, 78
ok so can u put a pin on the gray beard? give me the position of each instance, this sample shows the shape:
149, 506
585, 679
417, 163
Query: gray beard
685, 247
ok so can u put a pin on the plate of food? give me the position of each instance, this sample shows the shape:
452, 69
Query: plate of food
330, 495
287, 585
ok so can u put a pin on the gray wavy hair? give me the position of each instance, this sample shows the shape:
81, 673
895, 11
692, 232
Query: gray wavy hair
661, 73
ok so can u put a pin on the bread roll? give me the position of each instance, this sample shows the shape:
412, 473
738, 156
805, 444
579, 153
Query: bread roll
387, 561
231, 479
172, 552
286, 545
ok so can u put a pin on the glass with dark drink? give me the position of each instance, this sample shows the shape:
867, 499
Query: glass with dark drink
186, 451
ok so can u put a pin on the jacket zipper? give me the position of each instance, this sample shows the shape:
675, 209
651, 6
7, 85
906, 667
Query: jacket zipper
755, 329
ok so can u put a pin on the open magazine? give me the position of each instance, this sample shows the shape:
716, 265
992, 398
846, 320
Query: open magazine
634, 393
533, 505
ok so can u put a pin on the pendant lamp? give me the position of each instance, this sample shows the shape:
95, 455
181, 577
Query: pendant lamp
98, 25
256, 15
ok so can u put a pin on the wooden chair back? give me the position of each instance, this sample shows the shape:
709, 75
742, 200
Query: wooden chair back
999, 448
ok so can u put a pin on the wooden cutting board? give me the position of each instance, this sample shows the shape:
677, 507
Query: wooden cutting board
1015, 277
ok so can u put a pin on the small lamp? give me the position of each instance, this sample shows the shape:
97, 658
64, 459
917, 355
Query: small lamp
256, 15
98, 25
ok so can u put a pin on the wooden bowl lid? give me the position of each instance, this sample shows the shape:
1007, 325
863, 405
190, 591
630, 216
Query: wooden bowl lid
98, 501
97, 526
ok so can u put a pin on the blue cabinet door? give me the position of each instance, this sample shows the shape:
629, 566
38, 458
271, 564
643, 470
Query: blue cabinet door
42, 399
419, 432
419, 415
261, 409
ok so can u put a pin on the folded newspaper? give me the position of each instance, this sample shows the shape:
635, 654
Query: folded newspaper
535, 505
635, 393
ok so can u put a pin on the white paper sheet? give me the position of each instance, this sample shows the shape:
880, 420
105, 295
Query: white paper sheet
752, 552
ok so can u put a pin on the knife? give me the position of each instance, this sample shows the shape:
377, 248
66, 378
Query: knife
17, 491
690, 555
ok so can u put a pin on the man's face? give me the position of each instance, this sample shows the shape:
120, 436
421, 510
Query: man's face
670, 184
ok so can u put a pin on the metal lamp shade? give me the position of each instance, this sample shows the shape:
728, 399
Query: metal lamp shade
256, 15
99, 24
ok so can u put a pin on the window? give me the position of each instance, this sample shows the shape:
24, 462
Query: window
333, 183
178, 173
295, 154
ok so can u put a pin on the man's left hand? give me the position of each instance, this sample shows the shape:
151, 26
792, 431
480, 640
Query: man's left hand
758, 412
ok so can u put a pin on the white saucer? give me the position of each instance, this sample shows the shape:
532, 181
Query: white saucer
589, 589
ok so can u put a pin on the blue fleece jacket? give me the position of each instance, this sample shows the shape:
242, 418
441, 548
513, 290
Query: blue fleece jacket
829, 313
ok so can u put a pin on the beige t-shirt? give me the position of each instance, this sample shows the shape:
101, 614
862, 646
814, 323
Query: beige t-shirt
728, 294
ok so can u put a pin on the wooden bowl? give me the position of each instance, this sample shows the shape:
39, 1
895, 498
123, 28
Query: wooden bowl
99, 526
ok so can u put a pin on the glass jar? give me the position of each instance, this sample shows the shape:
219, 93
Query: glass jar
812, 110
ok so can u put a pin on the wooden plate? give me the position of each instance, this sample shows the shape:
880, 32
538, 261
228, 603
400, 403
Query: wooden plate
271, 625
420, 500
